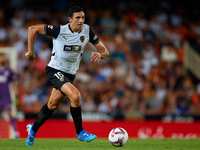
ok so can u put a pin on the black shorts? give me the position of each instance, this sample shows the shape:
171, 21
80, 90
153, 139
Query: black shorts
57, 78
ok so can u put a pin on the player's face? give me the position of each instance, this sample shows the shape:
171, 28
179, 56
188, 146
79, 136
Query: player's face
77, 21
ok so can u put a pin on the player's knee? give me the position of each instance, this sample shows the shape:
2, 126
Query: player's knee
53, 106
76, 97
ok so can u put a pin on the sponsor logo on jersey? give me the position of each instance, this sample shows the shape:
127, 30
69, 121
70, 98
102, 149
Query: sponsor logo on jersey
75, 48
3, 79
50, 26
82, 38
67, 48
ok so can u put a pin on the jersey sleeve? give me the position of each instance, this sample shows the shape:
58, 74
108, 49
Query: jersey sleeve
51, 30
93, 38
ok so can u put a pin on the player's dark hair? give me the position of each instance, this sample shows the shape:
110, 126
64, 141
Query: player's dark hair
74, 9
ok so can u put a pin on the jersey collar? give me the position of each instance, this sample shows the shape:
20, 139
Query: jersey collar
71, 29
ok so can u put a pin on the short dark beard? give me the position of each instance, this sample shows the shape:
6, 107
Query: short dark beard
3, 64
77, 30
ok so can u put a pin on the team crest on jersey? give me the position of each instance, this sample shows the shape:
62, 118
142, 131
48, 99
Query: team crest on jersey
82, 38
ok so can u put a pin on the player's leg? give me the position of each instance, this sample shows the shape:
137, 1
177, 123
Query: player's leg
74, 95
7, 106
13, 122
55, 99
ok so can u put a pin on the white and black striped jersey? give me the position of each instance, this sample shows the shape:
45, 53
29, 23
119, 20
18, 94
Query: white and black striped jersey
68, 46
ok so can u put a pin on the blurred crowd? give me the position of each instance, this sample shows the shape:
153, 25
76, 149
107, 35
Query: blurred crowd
144, 74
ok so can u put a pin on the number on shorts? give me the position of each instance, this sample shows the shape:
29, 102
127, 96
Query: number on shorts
59, 75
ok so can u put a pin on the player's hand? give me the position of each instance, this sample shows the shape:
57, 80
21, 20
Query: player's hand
95, 56
30, 56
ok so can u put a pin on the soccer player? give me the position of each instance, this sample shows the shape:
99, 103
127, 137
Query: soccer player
69, 42
7, 76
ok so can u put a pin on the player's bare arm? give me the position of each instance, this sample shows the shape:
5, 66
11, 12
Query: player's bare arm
32, 34
101, 54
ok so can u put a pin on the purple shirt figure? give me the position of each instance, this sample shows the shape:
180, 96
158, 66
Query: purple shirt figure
6, 77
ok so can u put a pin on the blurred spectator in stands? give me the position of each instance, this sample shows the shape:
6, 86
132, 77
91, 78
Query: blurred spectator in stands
3, 35
44, 53
145, 65
175, 18
183, 106
31, 102
22, 32
155, 76
149, 93
119, 112
119, 68
168, 53
39, 64
180, 75
130, 78
169, 105
26, 75
118, 55
161, 91
148, 34
141, 111
174, 37
106, 70
148, 58
108, 23
131, 15
150, 54
110, 42
168, 70
131, 105
121, 43
123, 24
22, 62
114, 99
99, 77
139, 78
17, 21
104, 106
155, 26
92, 20
181, 54
82, 75
161, 15
141, 21
34, 19
172, 83
18, 44
134, 37
88, 104
195, 102
40, 88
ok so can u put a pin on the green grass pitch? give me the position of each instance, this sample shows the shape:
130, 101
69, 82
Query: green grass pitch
101, 144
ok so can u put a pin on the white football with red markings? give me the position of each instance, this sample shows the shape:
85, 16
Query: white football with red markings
118, 137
